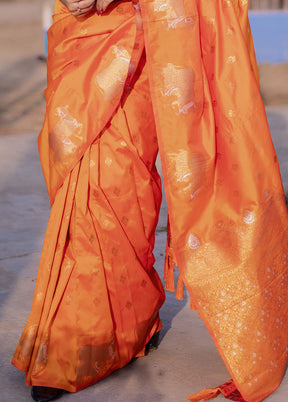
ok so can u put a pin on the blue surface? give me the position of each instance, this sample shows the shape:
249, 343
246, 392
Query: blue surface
270, 33
45, 44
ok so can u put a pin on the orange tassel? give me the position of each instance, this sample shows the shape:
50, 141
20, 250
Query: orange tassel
169, 273
180, 289
205, 395
169, 263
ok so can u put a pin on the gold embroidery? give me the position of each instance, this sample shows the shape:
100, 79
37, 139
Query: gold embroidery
212, 21
181, 165
66, 136
95, 270
108, 161
248, 217
188, 171
174, 12
112, 78
107, 222
40, 296
232, 113
193, 242
41, 358
179, 85
228, 3
28, 342
83, 31
231, 59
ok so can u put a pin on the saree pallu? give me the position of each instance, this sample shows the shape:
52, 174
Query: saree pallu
227, 213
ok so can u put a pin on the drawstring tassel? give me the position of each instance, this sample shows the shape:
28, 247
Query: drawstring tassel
180, 289
228, 389
170, 262
169, 272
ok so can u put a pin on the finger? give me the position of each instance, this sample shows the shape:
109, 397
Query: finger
85, 11
86, 3
76, 7
82, 12
71, 5
101, 5
77, 11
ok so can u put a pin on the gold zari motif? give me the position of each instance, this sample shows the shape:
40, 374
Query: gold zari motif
112, 78
179, 86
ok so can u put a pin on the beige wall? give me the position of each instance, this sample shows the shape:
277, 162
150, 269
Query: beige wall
268, 4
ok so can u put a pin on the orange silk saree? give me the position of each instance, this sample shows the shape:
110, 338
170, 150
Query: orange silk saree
227, 214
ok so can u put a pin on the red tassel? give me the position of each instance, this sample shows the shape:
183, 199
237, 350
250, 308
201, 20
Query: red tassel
228, 389
236, 396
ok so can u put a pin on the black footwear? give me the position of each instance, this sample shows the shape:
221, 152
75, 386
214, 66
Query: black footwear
153, 343
45, 394
150, 346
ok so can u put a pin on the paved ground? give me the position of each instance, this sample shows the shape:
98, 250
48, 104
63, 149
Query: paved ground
187, 360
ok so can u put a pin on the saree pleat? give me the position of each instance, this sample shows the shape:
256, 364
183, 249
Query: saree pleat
97, 295
87, 65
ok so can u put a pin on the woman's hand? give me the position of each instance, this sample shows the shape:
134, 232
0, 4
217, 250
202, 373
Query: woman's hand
101, 5
79, 7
